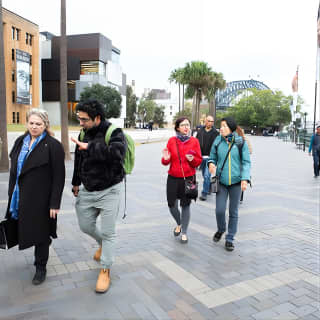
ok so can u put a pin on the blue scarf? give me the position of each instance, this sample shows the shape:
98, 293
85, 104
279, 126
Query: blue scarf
182, 137
23, 155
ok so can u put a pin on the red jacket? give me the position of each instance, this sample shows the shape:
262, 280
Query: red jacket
189, 147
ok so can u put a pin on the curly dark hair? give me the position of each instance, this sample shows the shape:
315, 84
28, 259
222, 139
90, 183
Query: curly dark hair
92, 107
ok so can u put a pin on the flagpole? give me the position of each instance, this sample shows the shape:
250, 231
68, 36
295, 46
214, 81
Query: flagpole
317, 72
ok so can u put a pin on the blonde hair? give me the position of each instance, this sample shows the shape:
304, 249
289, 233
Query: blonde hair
43, 115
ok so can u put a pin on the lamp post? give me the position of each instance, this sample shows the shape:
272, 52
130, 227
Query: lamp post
304, 131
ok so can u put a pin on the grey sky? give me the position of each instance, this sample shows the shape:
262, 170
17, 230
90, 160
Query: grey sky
263, 39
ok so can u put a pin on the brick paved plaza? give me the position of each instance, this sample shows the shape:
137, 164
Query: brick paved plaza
272, 274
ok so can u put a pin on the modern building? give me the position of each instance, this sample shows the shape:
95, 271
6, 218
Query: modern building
91, 59
21, 56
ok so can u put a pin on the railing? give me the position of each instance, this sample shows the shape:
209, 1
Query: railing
302, 140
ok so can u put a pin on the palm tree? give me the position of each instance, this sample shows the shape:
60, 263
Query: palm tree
63, 82
215, 82
4, 160
197, 76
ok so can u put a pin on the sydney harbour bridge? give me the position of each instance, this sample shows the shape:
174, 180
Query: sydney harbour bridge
225, 97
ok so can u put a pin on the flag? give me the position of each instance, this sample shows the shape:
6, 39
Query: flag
295, 83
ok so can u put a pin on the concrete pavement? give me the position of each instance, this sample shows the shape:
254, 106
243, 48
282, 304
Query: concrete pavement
272, 274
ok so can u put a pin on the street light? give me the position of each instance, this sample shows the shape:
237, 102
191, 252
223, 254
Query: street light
304, 131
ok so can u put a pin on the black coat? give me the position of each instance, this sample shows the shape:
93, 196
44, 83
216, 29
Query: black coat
206, 139
41, 184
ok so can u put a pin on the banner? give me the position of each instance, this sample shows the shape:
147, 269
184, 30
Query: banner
23, 77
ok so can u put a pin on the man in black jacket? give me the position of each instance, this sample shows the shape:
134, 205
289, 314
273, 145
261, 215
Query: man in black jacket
98, 167
206, 136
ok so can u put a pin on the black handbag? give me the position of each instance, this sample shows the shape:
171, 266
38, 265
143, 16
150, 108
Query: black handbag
190, 185
215, 180
8, 233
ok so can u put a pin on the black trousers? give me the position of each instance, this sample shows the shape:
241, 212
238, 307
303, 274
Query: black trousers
41, 254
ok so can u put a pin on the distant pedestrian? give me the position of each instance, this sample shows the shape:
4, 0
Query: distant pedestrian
98, 167
36, 183
314, 147
206, 135
233, 178
150, 125
183, 155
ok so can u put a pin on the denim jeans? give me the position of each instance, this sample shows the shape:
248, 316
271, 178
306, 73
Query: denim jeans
234, 192
206, 176
316, 158
89, 205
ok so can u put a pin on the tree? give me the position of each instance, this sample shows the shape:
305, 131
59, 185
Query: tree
216, 81
198, 77
158, 116
261, 109
108, 96
4, 160
63, 83
186, 112
146, 110
131, 107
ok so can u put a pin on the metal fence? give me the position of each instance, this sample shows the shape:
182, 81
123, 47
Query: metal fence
301, 140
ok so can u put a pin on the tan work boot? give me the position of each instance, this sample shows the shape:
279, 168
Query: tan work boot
103, 282
97, 255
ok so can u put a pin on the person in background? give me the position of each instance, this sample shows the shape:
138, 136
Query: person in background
36, 183
314, 147
233, 178
206, 135
183, 154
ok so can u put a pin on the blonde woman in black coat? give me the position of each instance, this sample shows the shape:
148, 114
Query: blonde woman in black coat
36, 183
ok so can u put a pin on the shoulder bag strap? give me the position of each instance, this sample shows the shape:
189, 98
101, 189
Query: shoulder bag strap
180, 159
226, 158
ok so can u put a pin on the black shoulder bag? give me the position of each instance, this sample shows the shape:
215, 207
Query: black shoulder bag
190, 186
215, 180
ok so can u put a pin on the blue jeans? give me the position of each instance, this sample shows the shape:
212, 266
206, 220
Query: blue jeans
206, 176
316, 158
234, 192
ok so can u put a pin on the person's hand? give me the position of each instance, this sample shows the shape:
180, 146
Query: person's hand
53, 213
212, 168
75, 190
166, 154
189, 157
82, 145
244, 184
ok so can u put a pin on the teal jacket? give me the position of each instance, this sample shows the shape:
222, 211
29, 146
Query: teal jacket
234, 171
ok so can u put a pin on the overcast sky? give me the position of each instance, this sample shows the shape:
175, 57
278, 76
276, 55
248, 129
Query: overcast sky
262, 39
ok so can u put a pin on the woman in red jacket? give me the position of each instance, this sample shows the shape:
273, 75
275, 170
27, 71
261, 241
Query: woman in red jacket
184, 155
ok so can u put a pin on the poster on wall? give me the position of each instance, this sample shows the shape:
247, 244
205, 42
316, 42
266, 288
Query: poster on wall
23, 77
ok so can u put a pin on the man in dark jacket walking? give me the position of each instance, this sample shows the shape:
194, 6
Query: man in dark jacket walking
315, 148
206, 136
98, 167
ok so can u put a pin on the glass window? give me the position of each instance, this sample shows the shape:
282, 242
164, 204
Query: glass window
17, 34
27, 37
13, 32
12, 54
115, 57
13, 96
102, 68
89, 67
13, 117
30, 60
30, 39
18, 117
30, 79
13, 75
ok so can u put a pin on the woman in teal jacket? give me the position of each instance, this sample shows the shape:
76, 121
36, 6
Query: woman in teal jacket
233, 178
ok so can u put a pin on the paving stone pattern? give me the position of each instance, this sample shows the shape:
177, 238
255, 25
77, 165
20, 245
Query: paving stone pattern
273, 273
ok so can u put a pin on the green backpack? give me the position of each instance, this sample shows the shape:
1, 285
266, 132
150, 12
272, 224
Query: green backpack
129, 157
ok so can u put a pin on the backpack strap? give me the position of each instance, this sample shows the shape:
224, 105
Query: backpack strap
111, 128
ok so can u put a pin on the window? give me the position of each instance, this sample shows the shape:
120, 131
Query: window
27, 37
30, 79
170, 107
13, 97
30, 39
30, 60
13, 117
13, 75
170, 113
12, 54
18, 117
13, 32
17, 34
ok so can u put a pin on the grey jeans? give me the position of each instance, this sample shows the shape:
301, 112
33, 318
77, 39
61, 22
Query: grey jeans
89, 205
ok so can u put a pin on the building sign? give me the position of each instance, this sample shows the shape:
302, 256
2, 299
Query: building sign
23, 77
